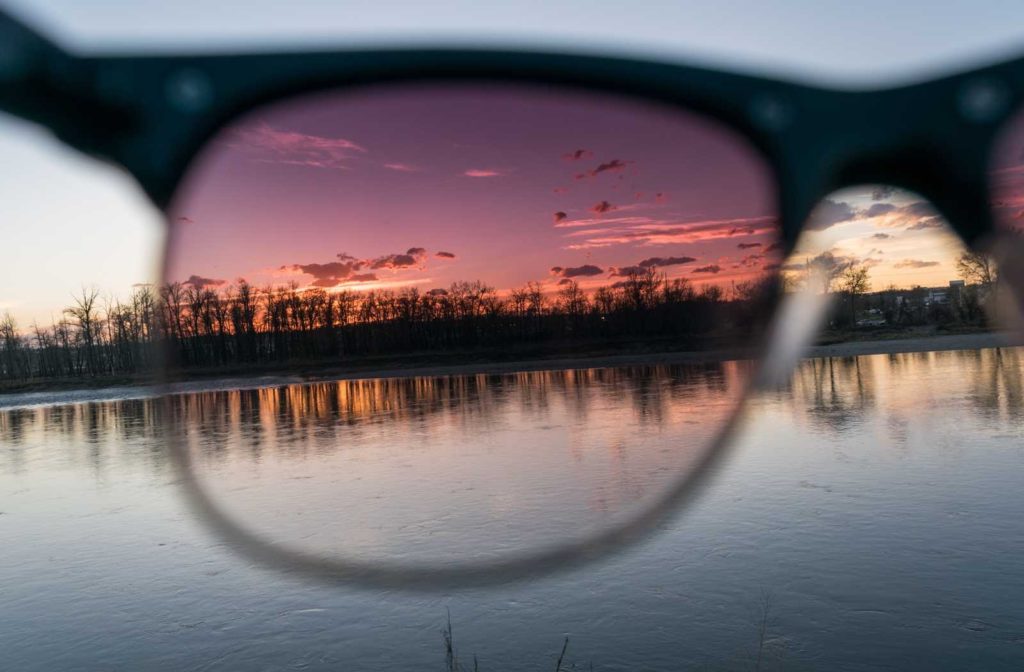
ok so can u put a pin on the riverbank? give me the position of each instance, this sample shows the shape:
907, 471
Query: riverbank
76, 391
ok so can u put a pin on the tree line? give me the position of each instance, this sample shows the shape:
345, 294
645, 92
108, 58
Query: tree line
192, 327
965, 305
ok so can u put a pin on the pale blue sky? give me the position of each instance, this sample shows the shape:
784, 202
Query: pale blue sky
73, 222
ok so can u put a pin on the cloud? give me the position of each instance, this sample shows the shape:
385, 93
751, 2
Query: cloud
665, 261
919, 209
771, 267
185, 220
661, 197
881, 236
747, 246
913, 216
647, 264
829, 213
412, 257
604, 221
777, 245
645, 231
441, 254
877, 210
330, 274
603, 206
577, 155
294, 148
352, 269
710, 268
560, 190
625, 271
559, 216
882, 192
915, 263
584, 271
203, 283
401, 167
437, 292
483, 172
613, 166
928, 223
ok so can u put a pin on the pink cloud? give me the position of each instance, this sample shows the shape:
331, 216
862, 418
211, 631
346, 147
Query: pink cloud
401, 167
584, 271
350, 269
412, 257
613, 166
483, 172
301, 149
596, 221
668, 232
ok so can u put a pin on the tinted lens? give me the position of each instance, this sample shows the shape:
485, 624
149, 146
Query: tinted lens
527, 314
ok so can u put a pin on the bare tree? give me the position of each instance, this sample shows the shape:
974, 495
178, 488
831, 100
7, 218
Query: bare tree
87, 322
976, 268
855, 282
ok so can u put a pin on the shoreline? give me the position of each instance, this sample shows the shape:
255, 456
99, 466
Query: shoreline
126, 390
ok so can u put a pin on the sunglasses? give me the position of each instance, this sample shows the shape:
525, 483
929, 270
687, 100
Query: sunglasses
425, 238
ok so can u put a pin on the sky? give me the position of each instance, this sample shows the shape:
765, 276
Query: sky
75, 222
427, 185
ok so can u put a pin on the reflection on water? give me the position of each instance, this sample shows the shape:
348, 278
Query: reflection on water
426, 467
832, 393
876, 496
835, 393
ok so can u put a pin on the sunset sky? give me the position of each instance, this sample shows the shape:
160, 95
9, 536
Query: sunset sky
899, 237
422, 186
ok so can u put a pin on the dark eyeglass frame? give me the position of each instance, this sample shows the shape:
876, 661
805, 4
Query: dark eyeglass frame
152, 114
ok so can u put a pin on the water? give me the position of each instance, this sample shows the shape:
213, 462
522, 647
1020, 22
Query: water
874, 506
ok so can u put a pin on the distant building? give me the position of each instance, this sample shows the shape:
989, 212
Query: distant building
956, 291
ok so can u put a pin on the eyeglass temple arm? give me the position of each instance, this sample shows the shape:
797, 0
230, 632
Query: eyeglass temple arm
44, 84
